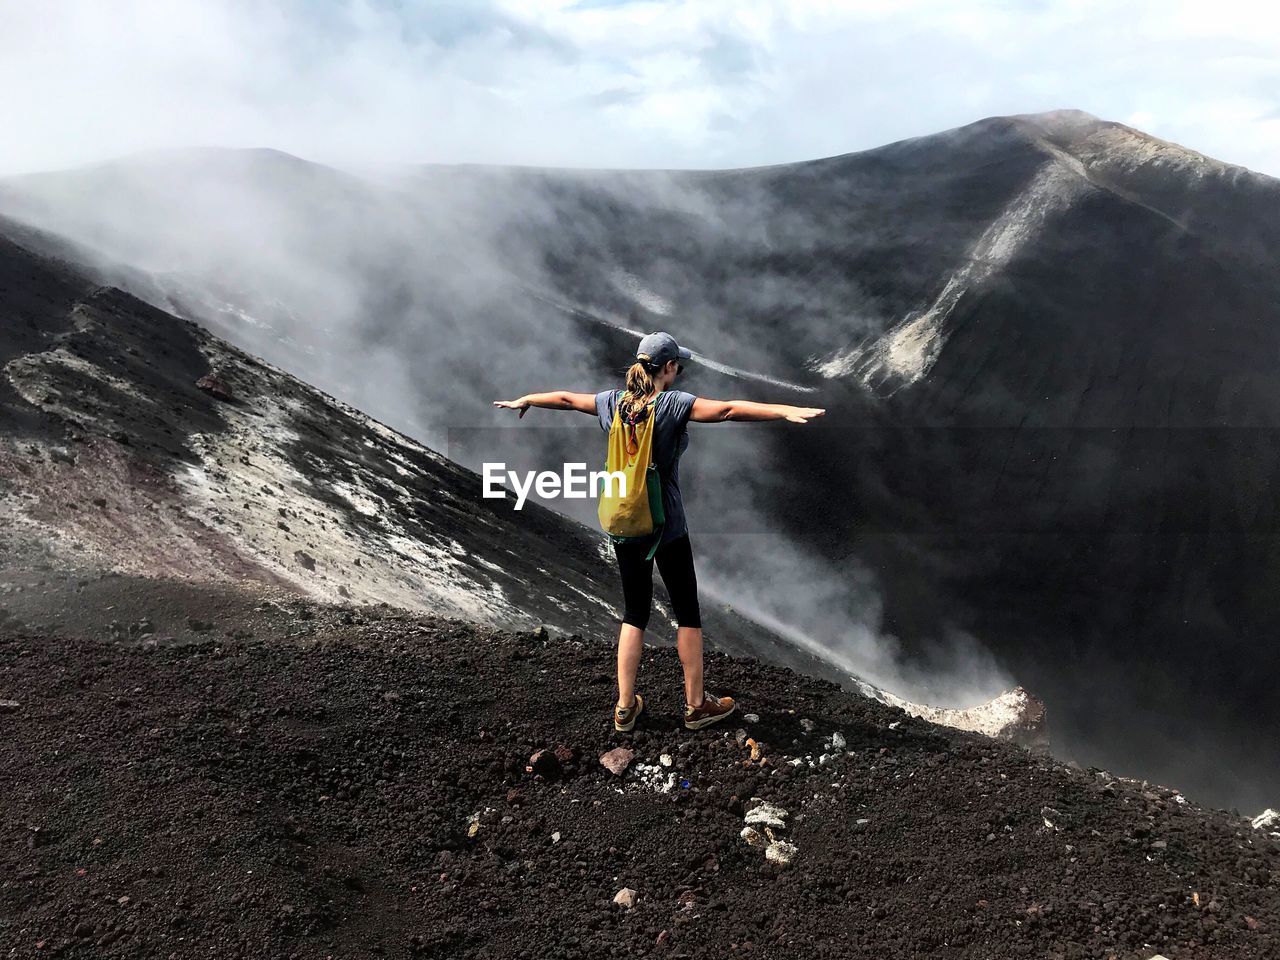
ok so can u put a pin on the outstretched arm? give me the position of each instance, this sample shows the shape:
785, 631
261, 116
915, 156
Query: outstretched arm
717, 411
555, 400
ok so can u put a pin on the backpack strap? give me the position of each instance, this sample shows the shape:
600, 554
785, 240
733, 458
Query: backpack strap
657, 533
657, 541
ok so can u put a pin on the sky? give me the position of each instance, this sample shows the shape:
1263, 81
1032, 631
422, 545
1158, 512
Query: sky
613, 83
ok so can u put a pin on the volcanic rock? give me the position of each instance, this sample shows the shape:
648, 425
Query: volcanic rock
215, 387
545, 764
617, 760
1269, 821
566, 755
1015, 715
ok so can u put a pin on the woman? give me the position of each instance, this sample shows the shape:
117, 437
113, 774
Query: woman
656, 367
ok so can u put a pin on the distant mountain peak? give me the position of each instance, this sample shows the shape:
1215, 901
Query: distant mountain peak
1092, 140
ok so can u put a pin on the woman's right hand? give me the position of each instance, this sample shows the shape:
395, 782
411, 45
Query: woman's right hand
803, 414
522, 405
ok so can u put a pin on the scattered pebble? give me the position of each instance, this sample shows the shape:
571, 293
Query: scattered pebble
626, 897
766, 814
781, 852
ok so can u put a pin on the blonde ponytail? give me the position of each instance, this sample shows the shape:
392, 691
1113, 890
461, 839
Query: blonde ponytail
640, 387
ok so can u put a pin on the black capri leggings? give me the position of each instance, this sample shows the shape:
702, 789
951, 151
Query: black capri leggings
675, 563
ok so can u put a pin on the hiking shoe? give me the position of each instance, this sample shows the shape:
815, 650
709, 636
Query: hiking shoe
713, 710
624, 718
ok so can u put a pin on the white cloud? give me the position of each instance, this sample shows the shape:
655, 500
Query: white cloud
675, 84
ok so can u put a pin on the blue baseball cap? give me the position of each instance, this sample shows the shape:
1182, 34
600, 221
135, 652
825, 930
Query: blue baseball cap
658, 348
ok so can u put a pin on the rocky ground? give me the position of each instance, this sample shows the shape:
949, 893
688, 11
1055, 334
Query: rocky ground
287, 779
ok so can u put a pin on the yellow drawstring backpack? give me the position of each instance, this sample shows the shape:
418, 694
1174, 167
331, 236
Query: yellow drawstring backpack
636, 515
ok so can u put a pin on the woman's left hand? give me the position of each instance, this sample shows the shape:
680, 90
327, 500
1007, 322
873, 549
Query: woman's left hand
804, 414
522, 405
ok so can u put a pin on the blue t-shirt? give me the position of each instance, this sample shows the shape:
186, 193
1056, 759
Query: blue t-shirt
670, 438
